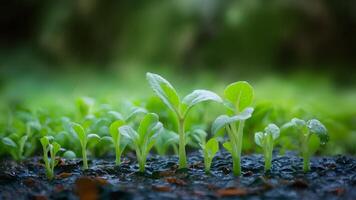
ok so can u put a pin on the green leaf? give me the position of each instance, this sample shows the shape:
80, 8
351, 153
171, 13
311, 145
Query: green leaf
224, 120
56, 147
129, 133
317, 128
212, 146
240, 93
107, 139
79, 130
259, 136
114, 129
94, 137
164, 90
299, 123
44, 141
149, 125
198, 96
9, 142
134, 112
22, 142
273, 130
228, 146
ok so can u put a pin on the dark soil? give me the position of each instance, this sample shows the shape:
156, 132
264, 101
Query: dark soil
329, 178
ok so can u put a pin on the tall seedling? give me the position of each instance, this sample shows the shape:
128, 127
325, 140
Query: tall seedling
239, 97
166, 92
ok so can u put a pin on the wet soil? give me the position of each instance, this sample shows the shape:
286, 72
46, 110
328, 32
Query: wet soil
329, 178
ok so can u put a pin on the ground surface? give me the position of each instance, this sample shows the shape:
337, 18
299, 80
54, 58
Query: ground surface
330, 178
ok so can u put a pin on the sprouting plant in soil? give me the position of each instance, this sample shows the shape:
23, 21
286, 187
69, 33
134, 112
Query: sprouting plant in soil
239, 97
166, 92
266, 140
84, 138
144, 138
305, 132
52, 148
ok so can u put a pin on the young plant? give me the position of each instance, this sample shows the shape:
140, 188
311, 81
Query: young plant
51, 148
239, 97
165, 91
84, 138
306, 131
266, 141
145, 137
209, 149
116, 139
16, 149
165, 140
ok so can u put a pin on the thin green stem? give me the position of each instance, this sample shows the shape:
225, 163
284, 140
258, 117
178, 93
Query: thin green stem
85, 160
117, 154
305, 152
182, 154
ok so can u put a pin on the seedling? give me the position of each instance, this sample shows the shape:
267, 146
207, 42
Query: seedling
306, 129
84, 139
145, 137
116, 139
166, 92
165, 140
209, 149
16, 149
51, 148
239, 96
266, 140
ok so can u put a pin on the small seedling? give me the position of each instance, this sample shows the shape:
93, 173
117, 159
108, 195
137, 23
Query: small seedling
16, 149
166, 92
145, 137
209, 149
116, 139
239, 96
165, 140
84, 139
306, 130
266, 141
52, 148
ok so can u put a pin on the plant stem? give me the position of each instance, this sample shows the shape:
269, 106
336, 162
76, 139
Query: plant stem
85, 160
268, 150
182, 154
117, 154
238, 148
305, 153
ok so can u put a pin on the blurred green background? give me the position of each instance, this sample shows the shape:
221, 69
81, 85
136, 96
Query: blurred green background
298, 54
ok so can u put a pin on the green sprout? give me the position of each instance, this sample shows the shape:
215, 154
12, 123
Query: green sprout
165, 140
51, 148
16, 149
116, 139
145, 137
209, 148
266, 141
84, 138
306, 131
165, 91
239, 96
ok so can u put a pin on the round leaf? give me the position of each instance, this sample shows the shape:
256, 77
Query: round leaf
240, 94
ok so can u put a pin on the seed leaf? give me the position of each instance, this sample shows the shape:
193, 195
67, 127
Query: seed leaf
259, 138
79, 130
224, 120
228, 146
240, 93
114, 129
212, 146
273, 130
317, 128
9, 142
129, 133
94, 137
164, 90
198, 96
